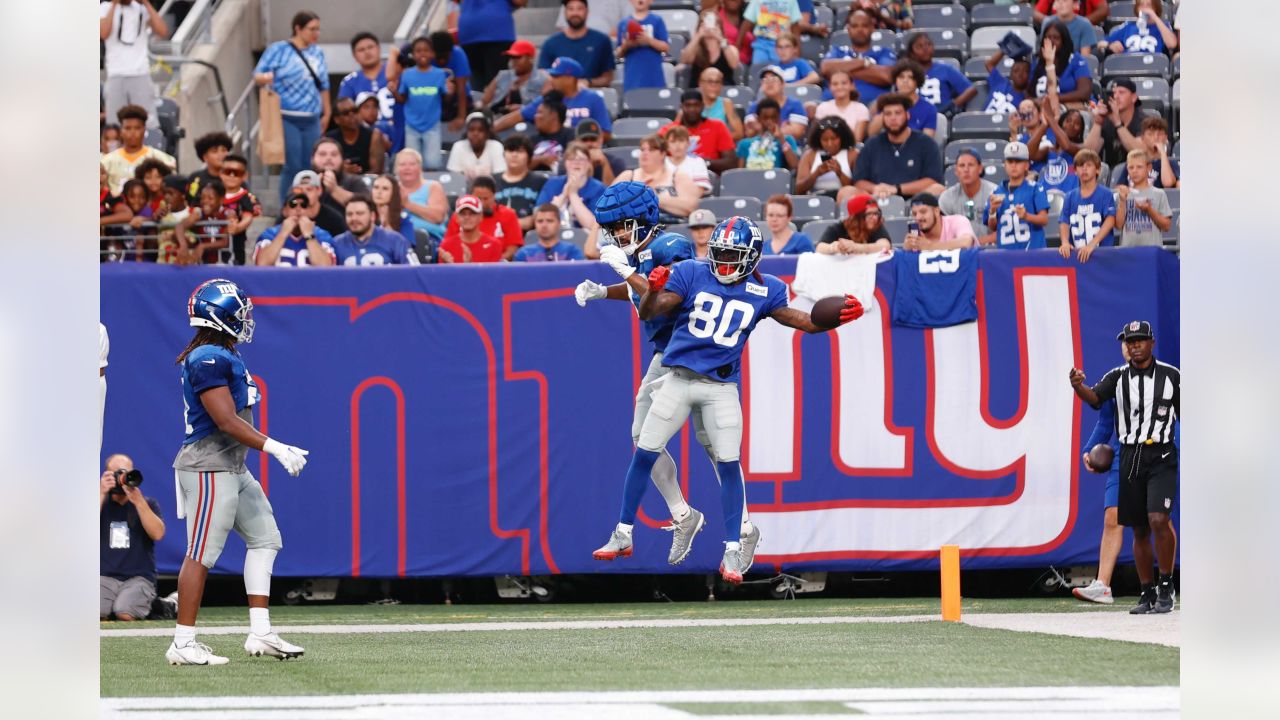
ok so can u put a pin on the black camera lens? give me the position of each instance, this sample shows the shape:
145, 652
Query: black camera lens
132, 478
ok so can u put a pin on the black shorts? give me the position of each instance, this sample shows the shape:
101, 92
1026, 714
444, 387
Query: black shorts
1148, 482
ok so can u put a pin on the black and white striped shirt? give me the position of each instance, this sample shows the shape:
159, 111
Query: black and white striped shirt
1146, 401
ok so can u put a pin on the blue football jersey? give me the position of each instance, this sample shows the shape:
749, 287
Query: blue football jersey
935, 288
666, 249
1085, 215
1013, 233
206, 367
714, 320
384, 247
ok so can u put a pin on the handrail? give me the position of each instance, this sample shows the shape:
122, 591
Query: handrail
412, 18
221, 97
193, 28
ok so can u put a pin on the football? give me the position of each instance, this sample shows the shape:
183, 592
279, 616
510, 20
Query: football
826, 312
1100, 457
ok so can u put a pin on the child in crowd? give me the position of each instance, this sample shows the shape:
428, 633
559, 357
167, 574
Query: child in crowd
240, 203
773, 19
795, 69
1143, 213
422, 89
1089, 211
642, 40
203, 234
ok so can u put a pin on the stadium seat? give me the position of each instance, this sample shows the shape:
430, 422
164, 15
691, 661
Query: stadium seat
948, 42
1175, 198
942, 132
879, 38
1154, 93
740, 95
1126, 9
677, 43
978, 102
154, 138
724, 207
1053, 231
990, 173
805, 93
714, 177
991, 151
679, 229
949, 61
651, 102
1176, 70
813, 47
520, 128
940, 16
755, 183
1104, 174
992, 15
1094, 66
813, 207
975, 68
1114, 175
635, 128
611, 101
823, 15
681, 21
1170, 236
893, 206
985, 40
814, 229
897, 229
454, 184
629, 156
577, 236
979, 125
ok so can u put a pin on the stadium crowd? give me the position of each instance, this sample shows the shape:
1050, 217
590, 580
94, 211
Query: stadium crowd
843, 127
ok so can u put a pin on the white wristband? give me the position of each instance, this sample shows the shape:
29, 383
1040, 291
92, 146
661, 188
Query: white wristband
625, 273
271, 447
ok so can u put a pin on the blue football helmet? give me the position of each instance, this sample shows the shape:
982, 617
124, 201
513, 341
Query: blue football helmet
628, 215
221, 304
734, 249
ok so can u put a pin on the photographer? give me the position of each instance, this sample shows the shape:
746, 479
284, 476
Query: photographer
130, 526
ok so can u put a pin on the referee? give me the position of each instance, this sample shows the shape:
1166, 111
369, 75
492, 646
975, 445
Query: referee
1146, 394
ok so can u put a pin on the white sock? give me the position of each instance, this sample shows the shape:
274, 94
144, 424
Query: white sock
624, 528
666, 479
747, 527
731, 546
184, 635
259, 621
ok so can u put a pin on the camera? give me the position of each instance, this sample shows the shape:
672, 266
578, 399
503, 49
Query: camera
132, 478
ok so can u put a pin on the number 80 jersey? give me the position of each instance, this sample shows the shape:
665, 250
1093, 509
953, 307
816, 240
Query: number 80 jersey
714, 320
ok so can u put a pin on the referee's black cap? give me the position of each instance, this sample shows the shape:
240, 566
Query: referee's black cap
1136, 330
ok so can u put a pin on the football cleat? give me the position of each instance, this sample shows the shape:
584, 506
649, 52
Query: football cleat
271, 645
193, 653
1094, 592
619, 545
1146, 603
747, 548
682, 534
731, 567
1164, 600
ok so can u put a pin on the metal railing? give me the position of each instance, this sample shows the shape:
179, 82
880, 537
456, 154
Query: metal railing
196, 28
160, 242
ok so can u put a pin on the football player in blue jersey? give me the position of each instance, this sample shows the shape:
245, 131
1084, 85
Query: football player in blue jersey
216, 492
716, 305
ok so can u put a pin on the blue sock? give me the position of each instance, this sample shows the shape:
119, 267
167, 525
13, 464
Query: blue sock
732, 493
637, 482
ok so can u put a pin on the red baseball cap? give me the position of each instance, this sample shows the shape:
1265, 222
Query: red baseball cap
859, 203
469, 202
521, 47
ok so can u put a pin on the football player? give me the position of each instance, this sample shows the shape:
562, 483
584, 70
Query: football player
216, 492
716, 305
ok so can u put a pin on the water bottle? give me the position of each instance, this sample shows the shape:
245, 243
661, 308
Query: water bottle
1142, 23
566, 220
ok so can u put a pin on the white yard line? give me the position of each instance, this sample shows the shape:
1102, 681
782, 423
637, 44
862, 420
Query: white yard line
1155, 629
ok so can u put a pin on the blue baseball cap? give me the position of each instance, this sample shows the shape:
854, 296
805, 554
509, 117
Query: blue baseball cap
566, 66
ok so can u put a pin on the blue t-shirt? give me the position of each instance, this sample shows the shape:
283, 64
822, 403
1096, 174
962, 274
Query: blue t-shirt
294, 253
486, 21
713, 320
1057, 172
559, 252
764, 152
923, 115
1085, 215
882, 56
1080, 29
425, 90
666, 249
942, 84
1137, 40
1077, 69
555, 185
384, 247
1002, 98
935, 288
799, 243
797, 69
390, 113
593, 51
292, 80
586, 104
642, 66
790, 111
125, 548
205, 368
1013, 233
773, 19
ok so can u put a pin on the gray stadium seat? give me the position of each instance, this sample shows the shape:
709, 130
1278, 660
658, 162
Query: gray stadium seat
940, 16
949, 61
154, 137
992, 15
611, 101
635, 128
978, 102
1175, 198
1123, 8
814, 229
755, 183
805, 93
984, 40
1177, 67
991, 151
651, 102
681, 21
813, 47
975, 68
724, 207
893, 206
630, 156
813, 207
992, 173
979, 125
577, 236
879, 38
677, 43
1170, 236
453, 183
1094, 66
1135, 66
948, 42
740, 95
680, 229
897, 229
1154, 93
824, 16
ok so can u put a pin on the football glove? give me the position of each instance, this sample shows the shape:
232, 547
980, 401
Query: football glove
616, 258
588, 290
293, 459
658, 278
851, 311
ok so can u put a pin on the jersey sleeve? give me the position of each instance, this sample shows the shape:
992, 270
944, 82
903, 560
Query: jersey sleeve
681, 279
959, 83
779, 296
1105, 427
679, 251
660, 29
1106, 387
599, 112
527, 111
208, 372
1040, 198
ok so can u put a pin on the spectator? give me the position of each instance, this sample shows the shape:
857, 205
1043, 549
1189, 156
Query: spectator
112, 209
152, 174
702, 223
1155, 140
806, 25
518, 83
202, 236
338, 185
1078, 28
794, 118
867, 65
210, 148
549, 247
355, 141
795, 69
861, 232
1089, 211
935, 231
907, 79
132, 235
677, 195
121, 162
550, 136
457, 68
893, 14
1095, 10
827, 163
366, 244
769, 20
642, 41
771, 148
691, 166
470, 244
968, 197
425, 201
124, 27
708, 48
497, 221
944, 86
579, 104
714, 107
844, 105
296, 70
324, 215
575, 192
590, 48
1059, 69
391, 214
785, 240
367, 109
377, 80
898, 161
478, 153
603, 167
242, 206
109, 138
485, 29
517, 187
1005, 94
1147, 34
737, 29
130, 526
604, 18
1053, 147
422, 91
175, 199
710, 139
296, 241
1019, 209
1143, 212
1117, 123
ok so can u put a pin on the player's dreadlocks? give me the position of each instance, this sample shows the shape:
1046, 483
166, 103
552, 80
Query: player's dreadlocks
207, 336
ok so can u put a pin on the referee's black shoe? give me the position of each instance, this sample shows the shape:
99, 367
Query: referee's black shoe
1147, 603
1164, 600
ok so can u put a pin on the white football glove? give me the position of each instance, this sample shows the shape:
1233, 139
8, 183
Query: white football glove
293, 459
588, 290
616, 258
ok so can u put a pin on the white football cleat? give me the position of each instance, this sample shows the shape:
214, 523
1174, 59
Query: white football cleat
193, 653
619, 546
271, 645
1094, 592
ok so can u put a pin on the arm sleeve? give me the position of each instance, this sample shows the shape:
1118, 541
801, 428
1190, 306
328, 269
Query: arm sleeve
779, 297
599, 112
959, 83
267, 63
1161, 202
660, 29
1040, 198
323, 69
1104, 428
678, 283
1106, 387
208, 372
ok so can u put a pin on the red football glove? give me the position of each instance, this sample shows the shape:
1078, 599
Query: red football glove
658, 279
851, 311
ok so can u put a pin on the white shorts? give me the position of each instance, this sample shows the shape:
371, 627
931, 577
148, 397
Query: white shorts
714, 405
218, 502
653, 379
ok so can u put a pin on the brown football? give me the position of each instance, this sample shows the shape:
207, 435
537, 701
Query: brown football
826, 312
1101, 456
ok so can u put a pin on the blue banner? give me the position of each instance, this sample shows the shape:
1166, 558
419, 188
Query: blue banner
476, 421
